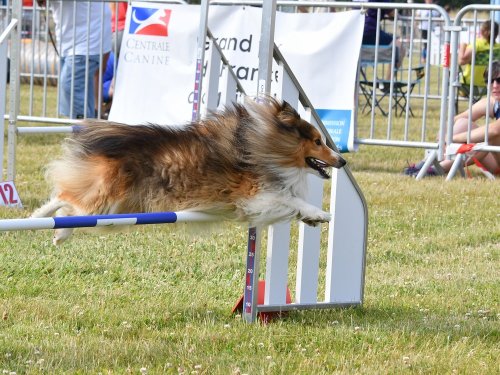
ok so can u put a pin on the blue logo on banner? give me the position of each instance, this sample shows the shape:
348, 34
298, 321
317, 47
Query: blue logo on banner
338, 124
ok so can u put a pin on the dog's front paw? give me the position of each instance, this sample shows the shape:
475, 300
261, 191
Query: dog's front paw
318, 218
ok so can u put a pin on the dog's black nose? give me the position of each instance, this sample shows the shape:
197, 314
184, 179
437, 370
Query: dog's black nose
341, 162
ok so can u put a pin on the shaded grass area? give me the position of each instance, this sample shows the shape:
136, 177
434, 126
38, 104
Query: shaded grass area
158, 299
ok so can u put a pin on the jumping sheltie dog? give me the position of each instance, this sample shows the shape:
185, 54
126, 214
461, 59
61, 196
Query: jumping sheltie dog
246, 163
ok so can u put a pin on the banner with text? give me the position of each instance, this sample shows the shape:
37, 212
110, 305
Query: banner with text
155, 77
322, 50
156, 68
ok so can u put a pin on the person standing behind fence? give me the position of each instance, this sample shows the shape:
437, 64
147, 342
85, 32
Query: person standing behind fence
83, 33
118, 19
385, 38
425, 26
482, 45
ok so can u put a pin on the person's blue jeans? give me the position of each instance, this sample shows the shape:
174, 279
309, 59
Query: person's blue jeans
78, 89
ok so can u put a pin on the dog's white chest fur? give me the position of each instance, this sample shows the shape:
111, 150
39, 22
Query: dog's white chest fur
295, 181
286, 202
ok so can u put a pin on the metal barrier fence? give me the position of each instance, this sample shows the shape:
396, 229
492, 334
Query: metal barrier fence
411, 104
34, 59
39, 60
403, 130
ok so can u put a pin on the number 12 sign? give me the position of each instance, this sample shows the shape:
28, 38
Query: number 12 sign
8, 195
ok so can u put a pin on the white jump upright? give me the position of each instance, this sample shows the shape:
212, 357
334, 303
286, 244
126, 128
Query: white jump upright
14, 98
347, 233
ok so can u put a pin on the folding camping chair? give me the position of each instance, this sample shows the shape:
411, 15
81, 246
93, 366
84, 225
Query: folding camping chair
372, 57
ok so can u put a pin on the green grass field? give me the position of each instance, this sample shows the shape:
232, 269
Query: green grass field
155, 300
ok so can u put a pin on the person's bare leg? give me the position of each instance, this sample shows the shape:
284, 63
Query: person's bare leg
490, 160
401, 51
460, 126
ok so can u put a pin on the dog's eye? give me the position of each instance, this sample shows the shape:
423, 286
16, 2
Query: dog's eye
318, 141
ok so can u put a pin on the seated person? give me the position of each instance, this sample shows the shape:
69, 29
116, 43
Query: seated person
385, 39
482, 45
490, 160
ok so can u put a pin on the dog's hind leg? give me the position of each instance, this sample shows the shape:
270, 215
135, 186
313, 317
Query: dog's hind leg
63, 209
62, 234
49, 208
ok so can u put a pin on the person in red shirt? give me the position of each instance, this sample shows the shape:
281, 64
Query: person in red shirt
27, 19
118, 15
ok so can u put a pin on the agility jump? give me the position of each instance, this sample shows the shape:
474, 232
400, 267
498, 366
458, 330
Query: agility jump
343, 280
61, 222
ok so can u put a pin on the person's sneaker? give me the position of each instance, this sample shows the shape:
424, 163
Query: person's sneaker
414, 169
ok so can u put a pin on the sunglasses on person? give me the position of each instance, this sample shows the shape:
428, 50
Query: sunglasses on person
497, 80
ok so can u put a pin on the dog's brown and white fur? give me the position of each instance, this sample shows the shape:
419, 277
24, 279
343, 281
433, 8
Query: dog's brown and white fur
246, 163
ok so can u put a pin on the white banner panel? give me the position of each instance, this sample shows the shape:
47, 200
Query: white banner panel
155, 77
237, 30
156, 68
323, 51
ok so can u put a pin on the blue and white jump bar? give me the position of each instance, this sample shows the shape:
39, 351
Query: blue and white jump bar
105, 220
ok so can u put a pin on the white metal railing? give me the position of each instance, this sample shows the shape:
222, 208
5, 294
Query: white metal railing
38, 62
419, 132
3, 84
30, 114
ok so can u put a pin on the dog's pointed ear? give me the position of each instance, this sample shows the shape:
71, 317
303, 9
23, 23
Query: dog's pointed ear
287, 114
286, 107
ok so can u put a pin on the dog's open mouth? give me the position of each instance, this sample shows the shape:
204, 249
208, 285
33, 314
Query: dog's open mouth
318, 165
